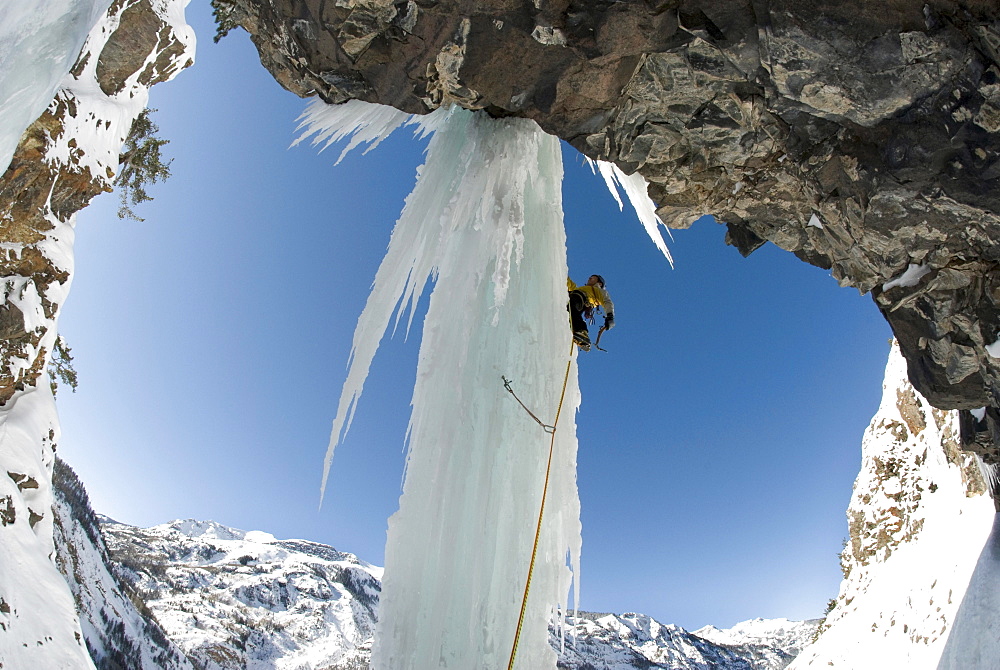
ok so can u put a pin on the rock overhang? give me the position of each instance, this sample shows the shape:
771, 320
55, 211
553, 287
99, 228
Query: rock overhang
862, 137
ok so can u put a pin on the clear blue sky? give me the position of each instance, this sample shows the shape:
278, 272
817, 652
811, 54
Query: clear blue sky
719, 436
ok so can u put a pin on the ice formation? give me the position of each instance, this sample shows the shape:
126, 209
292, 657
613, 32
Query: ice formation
634, 186
355, 119
484, 224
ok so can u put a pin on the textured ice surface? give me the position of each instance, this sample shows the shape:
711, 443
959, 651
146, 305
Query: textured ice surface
484, 223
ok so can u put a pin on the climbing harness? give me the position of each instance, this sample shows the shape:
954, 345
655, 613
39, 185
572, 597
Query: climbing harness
551, 430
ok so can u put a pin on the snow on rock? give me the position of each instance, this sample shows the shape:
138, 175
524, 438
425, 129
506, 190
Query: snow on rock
994, 351
230, 601
910, 277
622, 642
919, 516
485, 221
119, 633
311, 607
75, 143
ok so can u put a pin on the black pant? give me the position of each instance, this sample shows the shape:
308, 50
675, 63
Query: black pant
577, 303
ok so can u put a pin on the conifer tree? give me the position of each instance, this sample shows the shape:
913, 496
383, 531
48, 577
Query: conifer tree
61, 366
141, 164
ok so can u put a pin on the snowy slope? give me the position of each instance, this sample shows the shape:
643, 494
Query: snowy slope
233, 599
919, 516
236, 599
120, 632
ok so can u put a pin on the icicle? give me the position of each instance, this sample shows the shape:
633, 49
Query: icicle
485, 220
634, 186
362, 121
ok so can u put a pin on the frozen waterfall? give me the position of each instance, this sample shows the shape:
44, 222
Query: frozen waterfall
484, 224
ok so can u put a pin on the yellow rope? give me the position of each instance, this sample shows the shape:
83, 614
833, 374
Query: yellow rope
541, 509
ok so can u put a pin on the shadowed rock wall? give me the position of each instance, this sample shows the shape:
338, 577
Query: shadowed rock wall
863, 137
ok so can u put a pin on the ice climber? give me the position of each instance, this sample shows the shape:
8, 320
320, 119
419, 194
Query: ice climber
583, 301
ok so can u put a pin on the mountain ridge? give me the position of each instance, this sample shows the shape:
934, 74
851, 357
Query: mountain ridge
223, 598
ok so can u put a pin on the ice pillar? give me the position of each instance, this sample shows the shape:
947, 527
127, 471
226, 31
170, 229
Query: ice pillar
485, 222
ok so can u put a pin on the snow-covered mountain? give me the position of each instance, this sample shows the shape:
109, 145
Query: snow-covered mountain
199, 595
624, 641
236, 599
118, 628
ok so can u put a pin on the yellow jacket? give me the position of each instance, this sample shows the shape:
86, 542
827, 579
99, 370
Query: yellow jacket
595, 295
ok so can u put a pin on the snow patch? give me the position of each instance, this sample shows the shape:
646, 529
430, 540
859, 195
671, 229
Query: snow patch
994, 349
259, 537
910, 277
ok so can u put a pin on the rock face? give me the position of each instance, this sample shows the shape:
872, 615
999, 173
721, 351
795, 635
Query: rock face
918, 520
67, 156
70, 154
863, 137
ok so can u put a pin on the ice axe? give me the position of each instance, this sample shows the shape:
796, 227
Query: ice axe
597, 342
